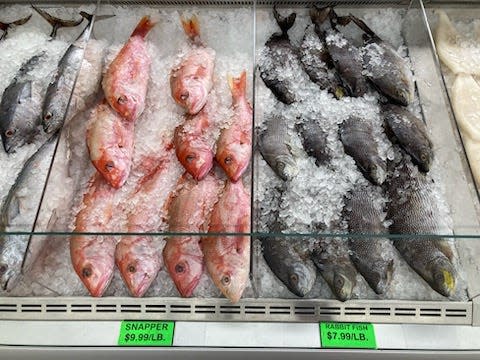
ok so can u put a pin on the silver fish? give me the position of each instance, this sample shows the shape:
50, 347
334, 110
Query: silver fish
60, 90
411, 134
20, 108
21, 205
364, 214
356, 135
413, 211
274, 143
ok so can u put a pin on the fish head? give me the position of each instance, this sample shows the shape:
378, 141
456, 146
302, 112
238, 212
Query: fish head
129, 106
423, 158
286, 167
139, 273
52, 116
231, 281
196, 158
300, 278
184, 269
342, 286
13, 137
234, 161
377, 172
115, 170
11, 259
95, 271
443, 276
379, 280
403, 93
190, 93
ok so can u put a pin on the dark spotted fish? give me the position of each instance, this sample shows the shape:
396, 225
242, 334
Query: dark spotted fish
347, 58
314, 141
413, 211
385, 68
330, 256
364, 214
317, 63
411, 134
279, 58
274, 143
356, 135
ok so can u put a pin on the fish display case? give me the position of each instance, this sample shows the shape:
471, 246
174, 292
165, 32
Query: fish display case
314, 232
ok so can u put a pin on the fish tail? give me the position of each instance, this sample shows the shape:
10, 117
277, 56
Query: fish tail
361, 24
319, 15
285, 23
191, 27
144, 26
5, 26
238, 85
55, 22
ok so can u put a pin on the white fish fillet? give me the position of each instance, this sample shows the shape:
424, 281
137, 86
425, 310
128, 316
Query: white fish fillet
466, 105
460, 55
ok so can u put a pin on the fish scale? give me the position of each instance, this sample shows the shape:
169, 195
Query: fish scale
412, 210
356, 135
364, 215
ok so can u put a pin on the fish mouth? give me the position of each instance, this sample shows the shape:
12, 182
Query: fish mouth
138, 290
98, 288
238, 174
203, 170
187, 291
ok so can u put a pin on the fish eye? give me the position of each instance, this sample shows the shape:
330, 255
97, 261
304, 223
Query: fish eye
184, 96
438, 277
226, 280
294, 278
87, 272
228, 160
339, 282
3, 269
190, 158
48, 116
179, 268
109, 166
423, 157
122, 99
10, 132
131, 268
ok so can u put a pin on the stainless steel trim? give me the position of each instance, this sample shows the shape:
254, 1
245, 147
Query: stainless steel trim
261, 310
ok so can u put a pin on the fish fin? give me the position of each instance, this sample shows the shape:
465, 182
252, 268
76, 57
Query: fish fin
191, 27
55, 22
285, 23
444, 247
89, 17
144, 26
238, 85
364, 27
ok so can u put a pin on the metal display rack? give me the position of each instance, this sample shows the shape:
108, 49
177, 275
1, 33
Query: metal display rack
54, 327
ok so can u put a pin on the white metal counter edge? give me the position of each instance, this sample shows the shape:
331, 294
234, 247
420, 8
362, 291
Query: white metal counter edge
238, 334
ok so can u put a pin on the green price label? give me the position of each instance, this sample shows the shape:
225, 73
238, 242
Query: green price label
146, 333
347, 335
